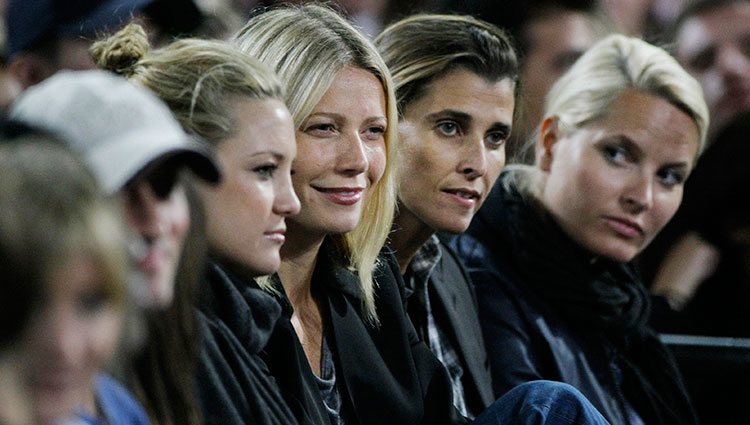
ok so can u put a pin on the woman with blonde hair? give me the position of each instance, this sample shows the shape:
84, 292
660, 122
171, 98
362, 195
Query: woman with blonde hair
550, 251
234, 104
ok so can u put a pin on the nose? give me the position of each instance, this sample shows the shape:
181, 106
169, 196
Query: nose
142, 208
638, 195
64, 340
352, 158
474, 158
286, 203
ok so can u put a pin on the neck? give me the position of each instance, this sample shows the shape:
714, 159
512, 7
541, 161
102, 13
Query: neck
298, 257
407, 236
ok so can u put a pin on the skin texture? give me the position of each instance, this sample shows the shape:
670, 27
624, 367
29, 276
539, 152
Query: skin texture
452, 142
715, 48
340, 152
556, 41
161, 224
613, 184
69, 340
245, 214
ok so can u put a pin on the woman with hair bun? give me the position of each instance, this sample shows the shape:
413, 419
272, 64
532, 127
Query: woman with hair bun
234, 104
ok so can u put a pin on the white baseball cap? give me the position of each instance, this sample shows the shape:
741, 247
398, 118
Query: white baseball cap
118, 127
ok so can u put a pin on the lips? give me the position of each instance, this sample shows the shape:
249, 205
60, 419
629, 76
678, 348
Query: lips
467, 198
277, 235
341, 195
624, 227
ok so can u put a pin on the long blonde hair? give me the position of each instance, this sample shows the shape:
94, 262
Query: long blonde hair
307, 45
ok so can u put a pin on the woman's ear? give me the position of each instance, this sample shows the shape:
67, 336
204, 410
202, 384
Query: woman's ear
549, 134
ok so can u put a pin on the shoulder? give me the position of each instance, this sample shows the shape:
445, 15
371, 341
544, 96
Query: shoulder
118, 405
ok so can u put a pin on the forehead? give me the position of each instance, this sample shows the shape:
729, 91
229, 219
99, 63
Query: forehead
351, 86
463, 90
652, 123
726, 23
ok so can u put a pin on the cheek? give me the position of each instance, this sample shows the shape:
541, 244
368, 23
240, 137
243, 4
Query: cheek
179, 214
104, 334
666, 207
376, 158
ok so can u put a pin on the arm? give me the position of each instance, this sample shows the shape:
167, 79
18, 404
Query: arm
686, 265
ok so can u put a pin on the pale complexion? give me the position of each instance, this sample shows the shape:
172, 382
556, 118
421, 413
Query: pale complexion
613, 184
452, 149
245, 213
340, 158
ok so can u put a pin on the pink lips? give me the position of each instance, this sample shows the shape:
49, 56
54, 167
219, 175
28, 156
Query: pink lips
342, 195
624, 227
466, 198
277, 236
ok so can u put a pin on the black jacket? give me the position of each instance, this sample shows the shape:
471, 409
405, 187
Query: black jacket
234, 384
528, 339
454, 307
385, 374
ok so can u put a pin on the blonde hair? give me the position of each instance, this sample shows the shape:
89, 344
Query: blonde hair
196, 78
307, 45
614, 64
421, 48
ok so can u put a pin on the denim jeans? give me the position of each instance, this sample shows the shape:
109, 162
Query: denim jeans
541, 402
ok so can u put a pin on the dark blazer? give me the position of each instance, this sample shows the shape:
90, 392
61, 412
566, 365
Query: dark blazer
454, 307
384, 373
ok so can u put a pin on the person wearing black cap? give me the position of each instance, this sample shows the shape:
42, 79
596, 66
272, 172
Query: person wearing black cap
44, 36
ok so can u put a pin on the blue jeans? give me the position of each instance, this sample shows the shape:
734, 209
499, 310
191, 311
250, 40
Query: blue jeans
541, 402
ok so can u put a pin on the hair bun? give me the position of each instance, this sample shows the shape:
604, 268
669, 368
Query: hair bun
121, 52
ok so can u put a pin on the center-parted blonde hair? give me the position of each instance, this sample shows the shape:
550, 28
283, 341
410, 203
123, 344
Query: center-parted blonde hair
307, 45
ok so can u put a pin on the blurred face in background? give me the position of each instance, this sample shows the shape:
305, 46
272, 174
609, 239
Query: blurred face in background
245, 213
68, 341
555, 41
714, 46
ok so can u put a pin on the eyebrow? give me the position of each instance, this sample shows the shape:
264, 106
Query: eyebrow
339, 117
638, 152
465, 118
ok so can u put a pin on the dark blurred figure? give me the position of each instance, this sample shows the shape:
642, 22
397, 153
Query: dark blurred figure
695, 265
712, 40
45, 36
549, 36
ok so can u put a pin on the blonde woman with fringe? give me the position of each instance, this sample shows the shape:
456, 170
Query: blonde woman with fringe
345, 351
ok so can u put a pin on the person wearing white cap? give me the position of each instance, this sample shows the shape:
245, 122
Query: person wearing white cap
136, 149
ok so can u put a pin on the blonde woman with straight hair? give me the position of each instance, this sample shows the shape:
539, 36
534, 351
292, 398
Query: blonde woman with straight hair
344, 350
550, 253
234, 104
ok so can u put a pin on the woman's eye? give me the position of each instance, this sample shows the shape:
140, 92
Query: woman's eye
496, 139
321, 129
374, 132
266, 170
670, 178
616, 154
448, 128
